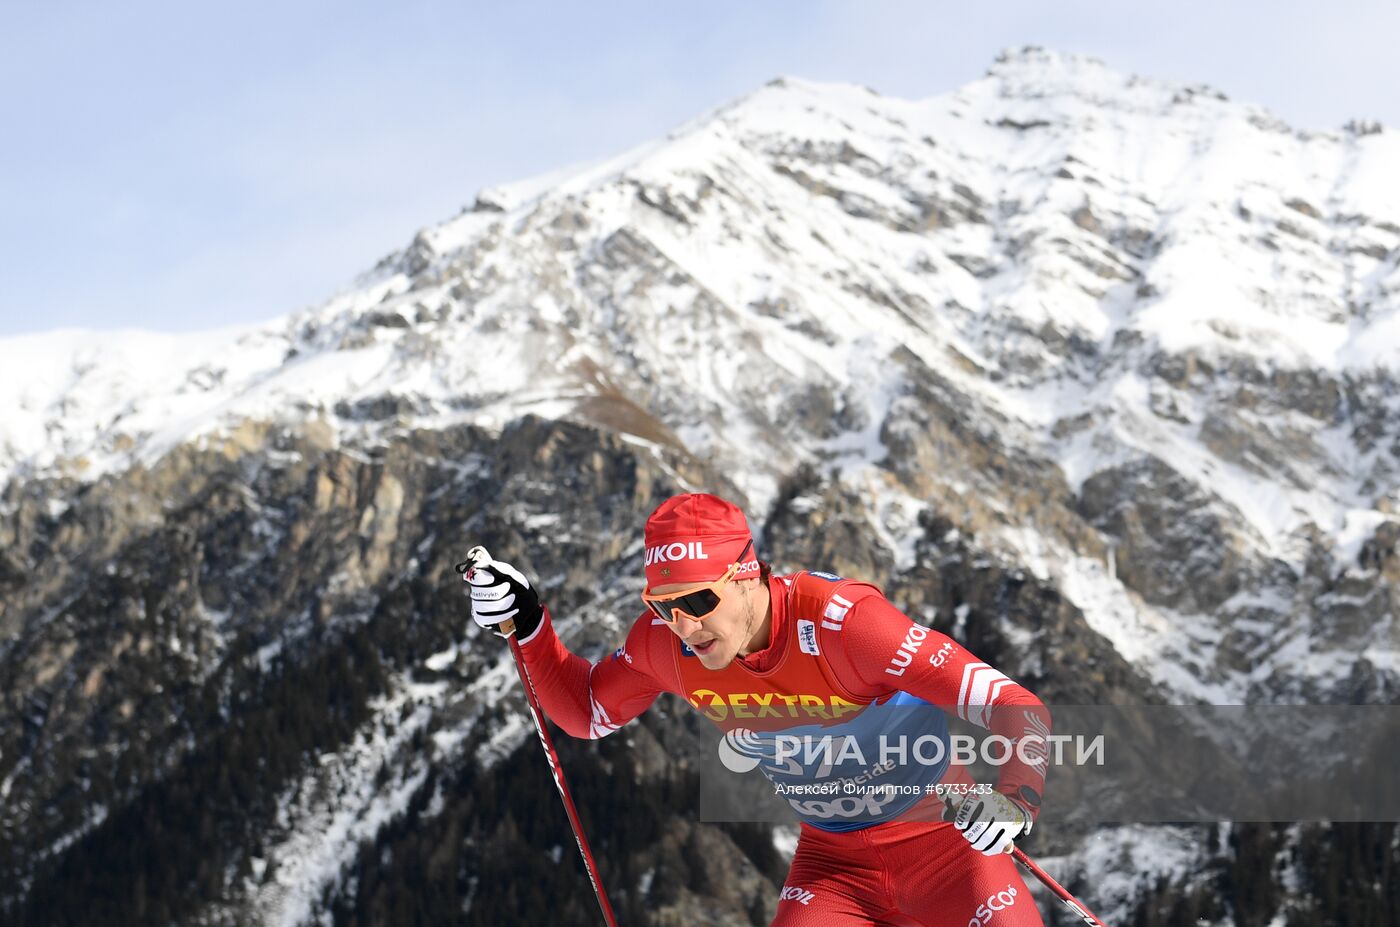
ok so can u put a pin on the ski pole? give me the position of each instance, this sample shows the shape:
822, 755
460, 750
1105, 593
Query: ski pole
478, 556
1058, 890
1093, 920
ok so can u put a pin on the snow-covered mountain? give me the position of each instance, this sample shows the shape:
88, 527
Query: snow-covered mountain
1132, 339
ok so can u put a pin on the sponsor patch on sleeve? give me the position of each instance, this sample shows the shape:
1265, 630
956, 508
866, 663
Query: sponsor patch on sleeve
829, 577
807, 637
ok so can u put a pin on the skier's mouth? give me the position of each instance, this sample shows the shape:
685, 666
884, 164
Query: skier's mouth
705, 647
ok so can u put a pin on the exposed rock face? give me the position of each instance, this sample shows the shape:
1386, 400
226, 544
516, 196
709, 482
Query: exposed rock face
1035, 356
1176, 546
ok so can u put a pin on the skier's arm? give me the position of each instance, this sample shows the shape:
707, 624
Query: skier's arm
883, 654
585, 699
592, 699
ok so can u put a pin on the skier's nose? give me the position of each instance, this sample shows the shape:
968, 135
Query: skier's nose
685, 626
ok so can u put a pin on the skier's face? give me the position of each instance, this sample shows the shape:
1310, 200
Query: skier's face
728, 631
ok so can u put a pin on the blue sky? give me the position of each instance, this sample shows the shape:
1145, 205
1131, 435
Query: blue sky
190, 166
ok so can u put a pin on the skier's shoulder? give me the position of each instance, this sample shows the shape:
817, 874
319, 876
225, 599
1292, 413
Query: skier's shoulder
818, 594
646, 649
833, 623
648, 631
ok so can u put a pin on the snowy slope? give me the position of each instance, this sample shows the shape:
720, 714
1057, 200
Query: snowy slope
1101, 267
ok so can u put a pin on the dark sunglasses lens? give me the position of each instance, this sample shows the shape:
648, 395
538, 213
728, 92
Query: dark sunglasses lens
697, 604
661, 610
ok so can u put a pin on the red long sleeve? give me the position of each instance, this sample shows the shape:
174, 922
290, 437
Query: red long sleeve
592, 700
881, 651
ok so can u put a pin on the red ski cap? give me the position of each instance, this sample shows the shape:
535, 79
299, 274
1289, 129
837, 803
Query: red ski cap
693, 538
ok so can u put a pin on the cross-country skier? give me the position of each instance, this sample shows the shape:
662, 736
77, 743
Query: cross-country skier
757, 652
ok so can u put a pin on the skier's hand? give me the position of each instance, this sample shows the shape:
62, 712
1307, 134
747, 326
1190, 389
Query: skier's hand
499, 592
990, 821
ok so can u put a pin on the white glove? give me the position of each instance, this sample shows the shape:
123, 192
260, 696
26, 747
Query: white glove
990, 821
499, 592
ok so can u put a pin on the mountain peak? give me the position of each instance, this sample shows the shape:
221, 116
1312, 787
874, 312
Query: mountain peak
1036, 74
1040, 59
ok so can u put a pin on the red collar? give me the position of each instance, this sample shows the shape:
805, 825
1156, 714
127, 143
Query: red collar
763, 660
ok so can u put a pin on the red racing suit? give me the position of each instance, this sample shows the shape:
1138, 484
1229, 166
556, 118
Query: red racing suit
841, 658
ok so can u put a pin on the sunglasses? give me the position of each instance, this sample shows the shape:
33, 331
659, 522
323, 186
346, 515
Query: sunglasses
698, 601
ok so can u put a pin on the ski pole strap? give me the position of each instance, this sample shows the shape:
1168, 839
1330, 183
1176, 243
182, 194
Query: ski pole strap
1093, 920
537, 716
